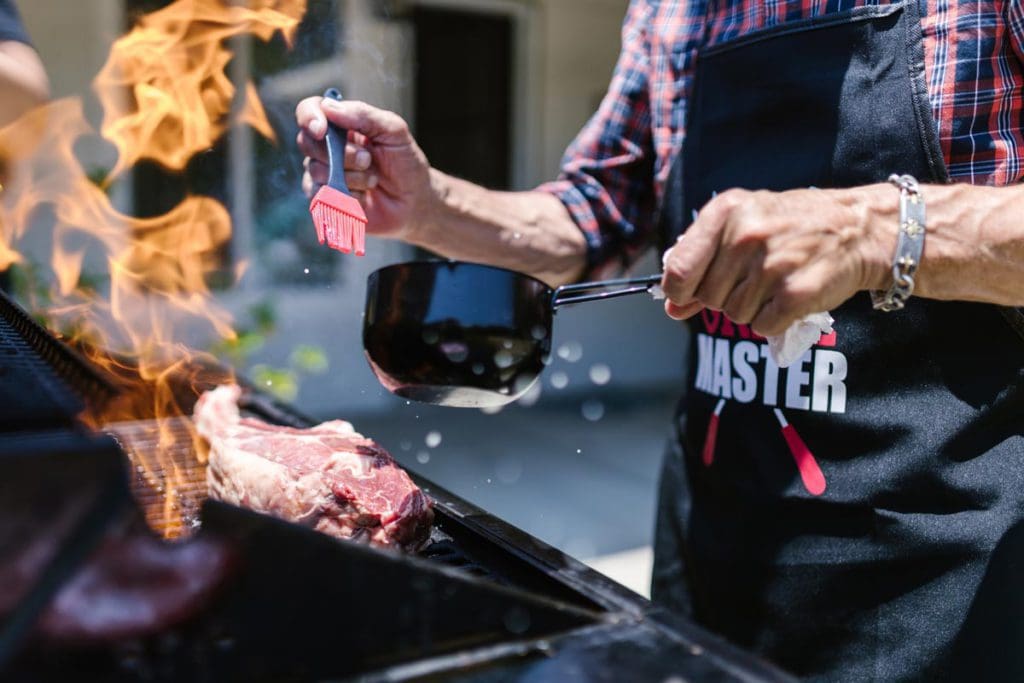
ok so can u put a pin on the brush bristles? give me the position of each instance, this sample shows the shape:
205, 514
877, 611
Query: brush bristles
339, 220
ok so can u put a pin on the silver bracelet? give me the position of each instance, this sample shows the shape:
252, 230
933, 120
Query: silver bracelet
909, 246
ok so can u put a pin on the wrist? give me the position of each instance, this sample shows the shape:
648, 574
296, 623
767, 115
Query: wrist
878, 207
427, 214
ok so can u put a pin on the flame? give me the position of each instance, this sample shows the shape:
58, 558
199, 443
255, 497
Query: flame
172, 65
165, 96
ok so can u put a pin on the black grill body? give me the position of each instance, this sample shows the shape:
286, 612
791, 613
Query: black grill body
483, 601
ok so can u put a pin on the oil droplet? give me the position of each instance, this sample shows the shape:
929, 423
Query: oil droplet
532, 394
593, 410
570, 351
508, 470
559, 380
503, 359
423, 457
306, 271
455, 350
433, 439
600, 374
478, 368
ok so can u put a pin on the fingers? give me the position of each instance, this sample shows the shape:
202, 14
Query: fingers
688, 262
379, 125
677, 312
357, 156
311, 118
317, 174
360, 181
774, 317
310, 146
718, 282
799, 295
357, 164
358, 160
309, 187
744, 301
690, 258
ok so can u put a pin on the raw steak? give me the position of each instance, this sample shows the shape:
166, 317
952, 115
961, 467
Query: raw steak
327, 477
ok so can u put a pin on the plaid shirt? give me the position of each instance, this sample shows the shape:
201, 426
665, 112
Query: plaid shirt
614, 173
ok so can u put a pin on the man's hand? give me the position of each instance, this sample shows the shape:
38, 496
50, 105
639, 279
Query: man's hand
384, 167
771, 258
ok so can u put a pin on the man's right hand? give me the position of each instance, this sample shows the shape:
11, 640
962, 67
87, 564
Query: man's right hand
404, 198
384, 167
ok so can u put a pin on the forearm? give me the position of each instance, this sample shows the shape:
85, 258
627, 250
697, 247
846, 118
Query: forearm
531, 232
23, 81
974, 245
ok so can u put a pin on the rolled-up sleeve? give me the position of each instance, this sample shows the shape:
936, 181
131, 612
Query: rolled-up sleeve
11, 27
607, 174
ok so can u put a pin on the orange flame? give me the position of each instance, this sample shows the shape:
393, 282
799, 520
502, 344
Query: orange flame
165, 97
172, 67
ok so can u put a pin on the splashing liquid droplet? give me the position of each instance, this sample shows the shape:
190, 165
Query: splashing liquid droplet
593, 410
570, 351
600, 374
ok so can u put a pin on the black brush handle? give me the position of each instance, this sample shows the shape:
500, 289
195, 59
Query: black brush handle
336, 138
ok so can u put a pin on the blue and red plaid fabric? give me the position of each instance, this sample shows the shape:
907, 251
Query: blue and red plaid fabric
614, 173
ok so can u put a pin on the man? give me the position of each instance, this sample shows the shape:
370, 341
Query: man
857, 515
23, 82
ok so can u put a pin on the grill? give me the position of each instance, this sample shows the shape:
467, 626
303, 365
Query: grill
269, 600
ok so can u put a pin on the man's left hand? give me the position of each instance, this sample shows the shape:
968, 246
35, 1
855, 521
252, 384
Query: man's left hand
771, 258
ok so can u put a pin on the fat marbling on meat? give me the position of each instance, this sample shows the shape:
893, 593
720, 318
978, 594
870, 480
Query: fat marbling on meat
328, 477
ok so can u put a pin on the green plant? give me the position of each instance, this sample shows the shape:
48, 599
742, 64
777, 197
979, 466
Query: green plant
282, 382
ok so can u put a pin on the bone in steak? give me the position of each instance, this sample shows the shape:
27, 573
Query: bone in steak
328, 477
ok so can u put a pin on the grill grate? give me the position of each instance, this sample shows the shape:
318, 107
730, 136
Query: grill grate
169, 481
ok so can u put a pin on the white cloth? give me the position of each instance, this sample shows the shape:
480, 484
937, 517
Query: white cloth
788, 347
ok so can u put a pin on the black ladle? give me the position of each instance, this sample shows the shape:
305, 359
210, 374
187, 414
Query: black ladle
465, 334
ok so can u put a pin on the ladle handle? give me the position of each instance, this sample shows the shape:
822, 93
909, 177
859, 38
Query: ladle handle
603, 289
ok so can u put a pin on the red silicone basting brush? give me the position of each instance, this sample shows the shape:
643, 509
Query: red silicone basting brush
339, 218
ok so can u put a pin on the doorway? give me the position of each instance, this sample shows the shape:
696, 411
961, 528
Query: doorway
463, 99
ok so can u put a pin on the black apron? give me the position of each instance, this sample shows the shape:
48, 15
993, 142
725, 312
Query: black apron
859, 515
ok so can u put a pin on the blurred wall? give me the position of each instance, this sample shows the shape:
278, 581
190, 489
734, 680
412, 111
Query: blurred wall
581, 42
